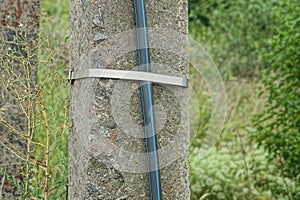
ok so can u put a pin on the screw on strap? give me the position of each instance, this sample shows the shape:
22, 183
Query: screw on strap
128, 75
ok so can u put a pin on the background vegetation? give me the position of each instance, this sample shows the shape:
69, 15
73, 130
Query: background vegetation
255, 44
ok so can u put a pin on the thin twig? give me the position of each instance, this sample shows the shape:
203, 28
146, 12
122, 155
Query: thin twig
12, 129
2, 184
10, 164
13, 152
47, 159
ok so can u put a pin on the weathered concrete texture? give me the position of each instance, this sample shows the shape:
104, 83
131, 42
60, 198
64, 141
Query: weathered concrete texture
18, 19
107, 148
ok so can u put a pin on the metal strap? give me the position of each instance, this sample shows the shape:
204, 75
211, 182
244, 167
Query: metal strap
128, 75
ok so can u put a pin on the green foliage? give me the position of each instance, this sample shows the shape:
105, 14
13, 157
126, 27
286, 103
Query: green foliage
278, 127
57, 11
228, 174
199, 124
236, 34
223, 175
233, 32
237, 168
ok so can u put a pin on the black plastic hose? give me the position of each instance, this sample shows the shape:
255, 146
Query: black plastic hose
147, 101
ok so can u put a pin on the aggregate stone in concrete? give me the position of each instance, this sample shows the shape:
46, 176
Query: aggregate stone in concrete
107, 146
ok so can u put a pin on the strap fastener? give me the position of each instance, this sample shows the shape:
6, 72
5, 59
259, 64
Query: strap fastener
128, 75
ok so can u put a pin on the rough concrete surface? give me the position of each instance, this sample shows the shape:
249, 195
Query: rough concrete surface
16, 18
106, 145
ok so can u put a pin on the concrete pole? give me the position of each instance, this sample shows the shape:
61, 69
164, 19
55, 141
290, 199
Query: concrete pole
17, 18
106, 145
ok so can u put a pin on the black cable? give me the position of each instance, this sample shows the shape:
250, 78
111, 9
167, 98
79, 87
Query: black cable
147, 101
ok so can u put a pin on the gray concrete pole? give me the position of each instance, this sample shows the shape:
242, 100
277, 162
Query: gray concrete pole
107, 157
17, 19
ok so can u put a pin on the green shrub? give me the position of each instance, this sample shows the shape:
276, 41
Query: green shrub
229, 174
278, 126
234, 32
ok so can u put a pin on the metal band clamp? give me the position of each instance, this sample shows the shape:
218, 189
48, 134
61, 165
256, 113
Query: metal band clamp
128, 75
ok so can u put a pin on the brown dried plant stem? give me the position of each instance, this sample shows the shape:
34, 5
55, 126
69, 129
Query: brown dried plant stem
30, 122
47, 154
